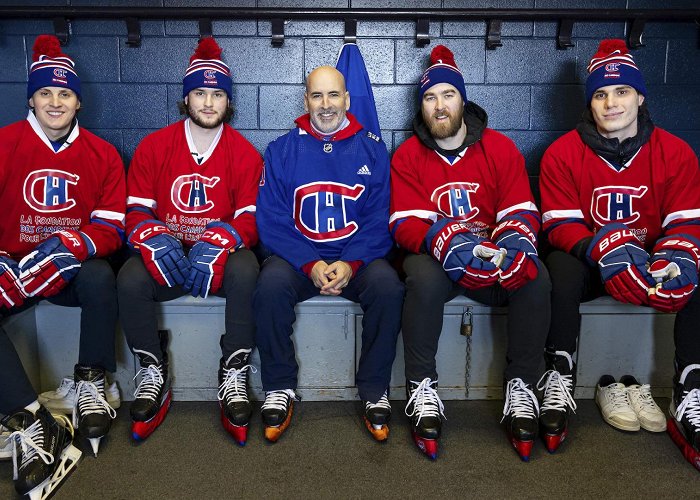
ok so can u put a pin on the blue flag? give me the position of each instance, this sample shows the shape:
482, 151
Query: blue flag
352, 66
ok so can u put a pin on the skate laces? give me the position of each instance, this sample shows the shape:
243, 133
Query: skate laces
557, 391
31, 441
383, 403
426, 402
90, 399
278, 400
690, 408
233, 388
520, 401
151, 382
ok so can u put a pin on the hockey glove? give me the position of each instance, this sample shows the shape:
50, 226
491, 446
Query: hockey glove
162, 253
465, 257
54, 263
622, 262
520, 264
674, 266
11, 291
208, 258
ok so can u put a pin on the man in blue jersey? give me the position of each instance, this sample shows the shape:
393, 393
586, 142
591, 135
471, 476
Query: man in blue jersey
322, 215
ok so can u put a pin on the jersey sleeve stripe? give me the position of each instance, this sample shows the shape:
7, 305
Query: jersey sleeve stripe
421, 214
528, 205
249, 208
683, 214
109, 215
146, 202
562, 214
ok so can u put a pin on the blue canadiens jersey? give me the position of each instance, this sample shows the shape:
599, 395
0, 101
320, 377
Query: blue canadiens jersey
325, 200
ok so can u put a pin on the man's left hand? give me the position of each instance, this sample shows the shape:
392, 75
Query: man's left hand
338, 274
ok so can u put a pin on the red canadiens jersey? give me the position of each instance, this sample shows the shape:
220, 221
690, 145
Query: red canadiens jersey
486, 183
170, 182
658, 192
81, 186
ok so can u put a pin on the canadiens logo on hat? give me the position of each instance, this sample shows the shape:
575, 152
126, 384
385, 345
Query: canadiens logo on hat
613, 64
51, 67
206, 69
443, 69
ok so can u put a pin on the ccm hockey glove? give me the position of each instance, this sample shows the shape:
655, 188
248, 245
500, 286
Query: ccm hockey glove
208, 258
520, 264
162, 253
465, 257
11, 291
674, 265
54, 263
622, 262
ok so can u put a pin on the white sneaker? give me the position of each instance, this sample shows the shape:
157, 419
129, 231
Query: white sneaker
5, 443
62, 399
648, 412
614, 403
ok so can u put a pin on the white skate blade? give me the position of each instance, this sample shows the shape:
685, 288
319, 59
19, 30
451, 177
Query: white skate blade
69, 459
95, 443
377, 426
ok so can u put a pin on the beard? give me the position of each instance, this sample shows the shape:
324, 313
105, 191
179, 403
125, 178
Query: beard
198, 121
447, 129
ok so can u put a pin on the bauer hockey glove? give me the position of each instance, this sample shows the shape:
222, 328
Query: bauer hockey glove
11, 291
674, 266
622, 262
520, 263
162, 253
54, 263
208, 258
465, 257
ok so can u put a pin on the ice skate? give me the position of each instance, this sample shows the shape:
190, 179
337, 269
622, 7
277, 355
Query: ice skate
558, 384
684, 423
277, 412
92, 414
42, 451
233, 394
152, 396
520, 413
377, 416
426, 412
62, 399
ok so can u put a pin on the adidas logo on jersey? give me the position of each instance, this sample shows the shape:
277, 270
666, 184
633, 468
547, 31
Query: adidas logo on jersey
364, 170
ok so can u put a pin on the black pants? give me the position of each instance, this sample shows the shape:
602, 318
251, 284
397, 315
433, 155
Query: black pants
139, 294
93, 290
574, 281
378, 291
428, 288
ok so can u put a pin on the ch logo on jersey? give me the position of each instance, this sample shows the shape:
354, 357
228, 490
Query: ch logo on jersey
615, 204
453, 200
47, 190
189, 193
321, 210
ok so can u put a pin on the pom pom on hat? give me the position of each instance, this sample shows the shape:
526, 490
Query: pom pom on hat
612, 64
51, 67
443, 69
207, 70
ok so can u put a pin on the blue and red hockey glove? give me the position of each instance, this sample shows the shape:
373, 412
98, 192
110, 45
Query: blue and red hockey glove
622, 262
162, 253
208, 258
11, 291
54, 262
674, 266
520, 263
465, 257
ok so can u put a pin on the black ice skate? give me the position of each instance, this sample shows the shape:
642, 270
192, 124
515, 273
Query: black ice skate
92, 414
42, 452
152, 396
558, 384
520, 413
426, 412
233, 394
684, 422
377, 416
277, 412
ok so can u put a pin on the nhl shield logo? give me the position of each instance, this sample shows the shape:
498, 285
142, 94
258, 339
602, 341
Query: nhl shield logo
328, 147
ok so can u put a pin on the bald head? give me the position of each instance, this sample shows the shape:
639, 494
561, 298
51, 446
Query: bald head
326, 98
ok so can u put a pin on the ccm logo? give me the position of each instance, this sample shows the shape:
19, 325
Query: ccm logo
214, 237
146, 233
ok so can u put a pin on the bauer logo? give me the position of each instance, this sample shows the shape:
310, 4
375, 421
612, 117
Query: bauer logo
453, 200
59, 72
326, 211
48, 190
189, 193
616, 204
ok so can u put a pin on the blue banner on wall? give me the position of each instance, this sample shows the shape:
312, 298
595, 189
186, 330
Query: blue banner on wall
352, 66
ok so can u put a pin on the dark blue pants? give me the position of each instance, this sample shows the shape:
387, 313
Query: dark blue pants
94, 290
376, 288
139, 295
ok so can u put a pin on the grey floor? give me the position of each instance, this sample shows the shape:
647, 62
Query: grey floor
327, 453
